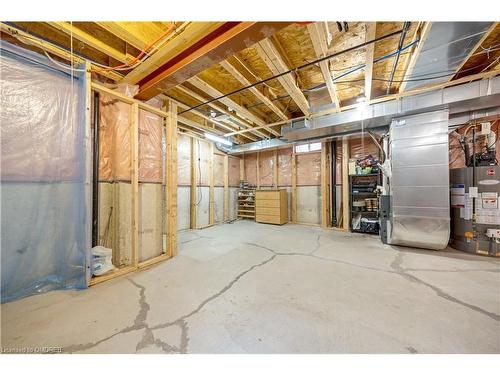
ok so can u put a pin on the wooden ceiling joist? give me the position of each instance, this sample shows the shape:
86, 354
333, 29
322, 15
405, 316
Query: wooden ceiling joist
240, 110
318, 36
220, 124
123, 33
371, 30
211, 49
241, 122
270, 55
254, 90
90, 40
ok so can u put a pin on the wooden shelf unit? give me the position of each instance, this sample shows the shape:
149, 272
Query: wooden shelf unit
246, 203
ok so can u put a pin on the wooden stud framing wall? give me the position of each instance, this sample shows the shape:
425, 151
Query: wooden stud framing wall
169, 114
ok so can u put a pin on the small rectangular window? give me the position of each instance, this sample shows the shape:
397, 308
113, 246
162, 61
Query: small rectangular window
309, 147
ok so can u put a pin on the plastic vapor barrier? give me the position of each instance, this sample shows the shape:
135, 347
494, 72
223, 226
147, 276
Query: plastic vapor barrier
234, 171
266, 168
309, 169
45, 220
218, 170
183, 160
250, 161
285, 167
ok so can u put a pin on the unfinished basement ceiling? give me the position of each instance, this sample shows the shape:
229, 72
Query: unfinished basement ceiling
237, 55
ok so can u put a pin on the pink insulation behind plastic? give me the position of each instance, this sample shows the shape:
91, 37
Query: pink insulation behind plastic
114, 140
234, 171
150, 150
251, 168
183, 160
218, 170
309, 169
266, 168
285, 167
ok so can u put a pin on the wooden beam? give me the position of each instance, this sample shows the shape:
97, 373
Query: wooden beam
171, 177
319, 42
189, 35
126, 99
257, 167
222, 110
90, 40
325, 201
211, 187
272, 58
475, 48
242, 111
254, 90
89, 155
275, 169
294, 186
194, 182
422, 35
345, 184
371, 32
242, 168
211, 49
120, 31
134, 170
226, 187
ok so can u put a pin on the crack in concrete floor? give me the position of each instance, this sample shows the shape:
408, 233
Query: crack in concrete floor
149, 339
397, 265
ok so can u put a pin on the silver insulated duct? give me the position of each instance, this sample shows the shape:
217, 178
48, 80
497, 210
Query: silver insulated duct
419, 185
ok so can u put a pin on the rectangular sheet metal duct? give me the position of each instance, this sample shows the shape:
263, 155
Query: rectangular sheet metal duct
419, 186
457, 99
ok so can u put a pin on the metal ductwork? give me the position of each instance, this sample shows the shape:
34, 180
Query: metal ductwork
419, 182
446, 46
468, 97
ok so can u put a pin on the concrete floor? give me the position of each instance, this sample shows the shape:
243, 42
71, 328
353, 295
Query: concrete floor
256, 288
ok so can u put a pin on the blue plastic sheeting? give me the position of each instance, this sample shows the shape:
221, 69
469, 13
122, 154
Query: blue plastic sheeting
45, 222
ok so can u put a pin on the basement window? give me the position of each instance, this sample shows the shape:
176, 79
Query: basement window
309, 147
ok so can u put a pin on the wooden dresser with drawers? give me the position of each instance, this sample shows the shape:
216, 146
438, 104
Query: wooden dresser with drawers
271, 206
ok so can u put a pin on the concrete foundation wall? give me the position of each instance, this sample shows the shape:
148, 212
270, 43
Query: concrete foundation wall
183, 207
218, 204
309, 204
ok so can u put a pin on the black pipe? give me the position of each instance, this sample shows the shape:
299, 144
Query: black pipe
95, 173
333, 181
474, 227
400, 46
